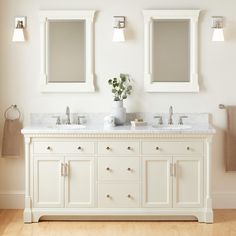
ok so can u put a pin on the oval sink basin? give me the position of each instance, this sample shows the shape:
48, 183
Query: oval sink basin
70, 127
172, 127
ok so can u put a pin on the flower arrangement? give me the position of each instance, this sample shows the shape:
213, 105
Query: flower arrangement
121, 87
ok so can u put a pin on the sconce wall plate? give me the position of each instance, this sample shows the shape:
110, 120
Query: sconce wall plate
119, 21
20, 18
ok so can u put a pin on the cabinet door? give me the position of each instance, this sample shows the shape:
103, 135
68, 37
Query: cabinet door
79, 182
48, 182
188, 182
157, 182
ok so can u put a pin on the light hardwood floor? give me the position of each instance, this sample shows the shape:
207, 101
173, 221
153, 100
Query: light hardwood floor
11, 224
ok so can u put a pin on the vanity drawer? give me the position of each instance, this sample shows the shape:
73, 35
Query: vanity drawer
64, 147
118, 195
123, 168
174, 148
128, 148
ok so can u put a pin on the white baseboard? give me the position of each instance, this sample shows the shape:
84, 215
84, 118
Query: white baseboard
15, 200
224, 200
12, 200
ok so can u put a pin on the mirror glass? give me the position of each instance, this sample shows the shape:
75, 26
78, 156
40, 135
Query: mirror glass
66, 51
171, 50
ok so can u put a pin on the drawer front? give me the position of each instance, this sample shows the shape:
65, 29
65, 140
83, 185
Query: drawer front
64, 147
123, 168
118, 195
128, 148
160, 148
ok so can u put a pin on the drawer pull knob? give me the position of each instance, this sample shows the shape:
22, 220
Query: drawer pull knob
129, 196
188, 148
108, 169
157, 148
79, 148
48, 148
129, 148
108, 196
129, 169
108, 148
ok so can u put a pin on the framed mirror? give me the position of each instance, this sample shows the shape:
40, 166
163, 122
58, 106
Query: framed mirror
170, 44
67, 51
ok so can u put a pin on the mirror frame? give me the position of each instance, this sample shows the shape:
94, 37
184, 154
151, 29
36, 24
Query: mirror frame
70, 87
149, 85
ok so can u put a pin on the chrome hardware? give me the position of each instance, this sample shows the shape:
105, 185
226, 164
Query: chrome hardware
129, 148
68, 115
48, 148
188, 148
181, 120
160, 122
62, 169
129, 169
58, 122
108, 196
170, 120
157, 148
108, 169
108, 148
129, 196
81, 120
79, 148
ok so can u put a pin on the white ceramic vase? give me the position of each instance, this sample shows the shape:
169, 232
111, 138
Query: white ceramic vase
119, 112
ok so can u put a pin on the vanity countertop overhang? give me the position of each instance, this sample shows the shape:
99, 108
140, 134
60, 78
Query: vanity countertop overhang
203, 129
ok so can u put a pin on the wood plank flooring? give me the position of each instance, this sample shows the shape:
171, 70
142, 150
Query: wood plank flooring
11, 224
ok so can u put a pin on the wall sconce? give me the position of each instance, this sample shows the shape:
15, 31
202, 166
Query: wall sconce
119, 25
217, 25
18, 34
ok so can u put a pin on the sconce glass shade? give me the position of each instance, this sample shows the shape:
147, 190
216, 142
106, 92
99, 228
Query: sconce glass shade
18, 35
118, 35
218, 35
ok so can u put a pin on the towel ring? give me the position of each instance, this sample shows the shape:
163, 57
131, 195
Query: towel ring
12, 107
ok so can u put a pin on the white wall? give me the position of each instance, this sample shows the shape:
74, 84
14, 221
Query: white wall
19, 74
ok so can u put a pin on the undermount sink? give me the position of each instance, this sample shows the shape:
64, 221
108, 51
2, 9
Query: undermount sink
172, 127
70, 127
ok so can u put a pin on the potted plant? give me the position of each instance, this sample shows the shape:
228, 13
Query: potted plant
121, 88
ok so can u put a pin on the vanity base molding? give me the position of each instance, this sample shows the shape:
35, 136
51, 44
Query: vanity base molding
119, 215
123, 176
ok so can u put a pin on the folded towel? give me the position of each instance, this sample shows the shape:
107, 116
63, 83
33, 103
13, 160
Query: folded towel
11, 138
230, 139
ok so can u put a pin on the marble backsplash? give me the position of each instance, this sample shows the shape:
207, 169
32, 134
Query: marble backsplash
41, 119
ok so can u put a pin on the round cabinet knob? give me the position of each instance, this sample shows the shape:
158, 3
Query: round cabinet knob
108, 196
128, 196
79, 148
188, 148
108, 169
129, 148
108, 148
157, 148
129, 169
48, 148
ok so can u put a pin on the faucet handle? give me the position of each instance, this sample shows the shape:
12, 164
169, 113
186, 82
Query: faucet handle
160, 119
181, 119
58, 120
81, 120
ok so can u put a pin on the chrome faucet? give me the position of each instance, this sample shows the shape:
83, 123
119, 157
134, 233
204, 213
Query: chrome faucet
170, 120
68, 115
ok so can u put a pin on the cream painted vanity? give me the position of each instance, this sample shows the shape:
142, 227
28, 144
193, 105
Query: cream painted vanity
123, 173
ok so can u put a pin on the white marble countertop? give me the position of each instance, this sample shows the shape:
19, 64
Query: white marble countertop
126, 129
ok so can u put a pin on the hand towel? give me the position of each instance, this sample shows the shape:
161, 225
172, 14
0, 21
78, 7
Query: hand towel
11, 138
230, 139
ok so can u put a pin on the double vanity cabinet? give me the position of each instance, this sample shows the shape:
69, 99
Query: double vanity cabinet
120, 174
